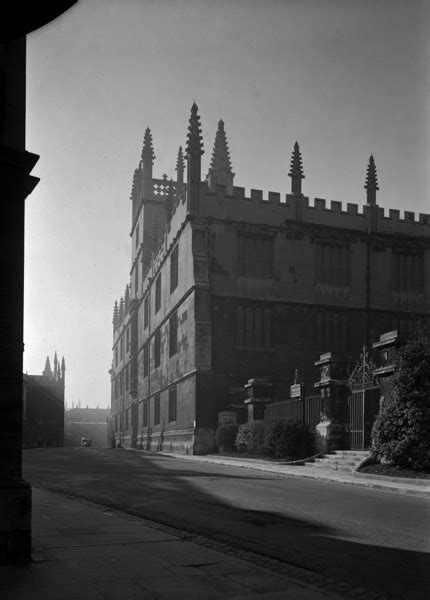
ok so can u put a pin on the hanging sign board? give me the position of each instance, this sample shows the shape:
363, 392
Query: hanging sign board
296, 390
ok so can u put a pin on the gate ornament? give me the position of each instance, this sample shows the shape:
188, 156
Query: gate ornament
362, 377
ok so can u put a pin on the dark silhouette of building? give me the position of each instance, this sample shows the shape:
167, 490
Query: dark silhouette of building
227, 286
16, 165
43, 407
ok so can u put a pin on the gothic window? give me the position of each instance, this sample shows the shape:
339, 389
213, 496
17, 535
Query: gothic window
157, 348
408, 272
332, 332
333, 264
172, 404
137, 236
127, 378
255, 255
158, 293
121, 348
145, 413
173, 334
126, 419
136, 280
127, 345
146, 359
146, 312
253, 327
116, 356
174, 269
157, 410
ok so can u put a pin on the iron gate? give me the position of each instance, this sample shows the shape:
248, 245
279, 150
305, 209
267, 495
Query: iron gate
363, 408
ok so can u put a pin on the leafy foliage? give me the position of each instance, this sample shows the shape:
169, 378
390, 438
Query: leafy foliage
401, 432
283, 437
250, 437
276, 438
225, 436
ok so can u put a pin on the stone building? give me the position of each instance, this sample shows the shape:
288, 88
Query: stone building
226, 286
88, 423
43, 406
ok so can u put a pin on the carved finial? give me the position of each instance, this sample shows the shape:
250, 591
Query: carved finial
296, 377
180, 166
194, 137
221, 154
63, 365
371, 184
115, 315
47, 372
121, 310
134, 185
127, 298
148, 150
296, 170
220, 172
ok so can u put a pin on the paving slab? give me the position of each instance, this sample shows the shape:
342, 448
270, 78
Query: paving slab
81, 551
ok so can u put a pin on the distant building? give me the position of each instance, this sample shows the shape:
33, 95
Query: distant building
88, 423
227, 286
43, 406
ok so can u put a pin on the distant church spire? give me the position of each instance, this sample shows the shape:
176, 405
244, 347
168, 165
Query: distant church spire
371, 184
296, 170
56, 366
194, 161
180, 166
47, 372
220, 172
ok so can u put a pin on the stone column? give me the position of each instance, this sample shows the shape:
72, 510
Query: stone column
330, 432
15, 167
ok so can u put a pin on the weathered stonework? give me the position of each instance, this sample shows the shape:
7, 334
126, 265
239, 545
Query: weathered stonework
265, 285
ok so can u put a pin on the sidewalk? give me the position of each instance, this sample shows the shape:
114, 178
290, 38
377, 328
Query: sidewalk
414, 487
85, 552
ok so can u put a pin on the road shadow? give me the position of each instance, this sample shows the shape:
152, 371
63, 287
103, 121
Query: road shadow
197, 498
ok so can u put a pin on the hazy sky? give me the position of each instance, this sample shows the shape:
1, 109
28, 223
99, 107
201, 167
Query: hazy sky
344, 78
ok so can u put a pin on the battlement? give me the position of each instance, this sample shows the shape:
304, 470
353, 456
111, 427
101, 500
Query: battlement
319, 211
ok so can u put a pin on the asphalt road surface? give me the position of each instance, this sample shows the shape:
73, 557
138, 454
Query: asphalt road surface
364, 537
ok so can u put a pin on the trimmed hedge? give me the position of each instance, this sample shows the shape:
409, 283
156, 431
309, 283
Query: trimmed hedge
275, 437
250, 437
283, 437
225, 437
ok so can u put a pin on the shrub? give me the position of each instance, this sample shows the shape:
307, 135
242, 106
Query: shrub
401, 432
250, 437
284, 437
225, 437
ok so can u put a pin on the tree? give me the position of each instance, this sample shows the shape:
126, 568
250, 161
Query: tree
401, 432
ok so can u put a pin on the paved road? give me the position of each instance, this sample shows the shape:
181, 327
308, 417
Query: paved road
364, 537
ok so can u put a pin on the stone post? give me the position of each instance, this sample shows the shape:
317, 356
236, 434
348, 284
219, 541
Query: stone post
386, 349
259, 392
330, 433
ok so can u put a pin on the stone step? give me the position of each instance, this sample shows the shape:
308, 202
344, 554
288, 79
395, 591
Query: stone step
343, 468
330, 462
360, 453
